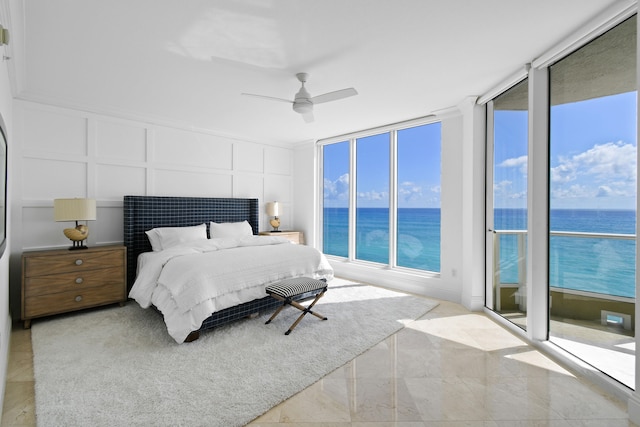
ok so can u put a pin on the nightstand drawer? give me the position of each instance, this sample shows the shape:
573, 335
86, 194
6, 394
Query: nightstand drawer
71, 262
72, 300
72, 281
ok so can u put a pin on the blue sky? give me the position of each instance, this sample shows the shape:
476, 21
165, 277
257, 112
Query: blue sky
592, 155
593, 160
418, 170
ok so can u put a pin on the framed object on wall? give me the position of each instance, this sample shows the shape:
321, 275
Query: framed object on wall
3, 187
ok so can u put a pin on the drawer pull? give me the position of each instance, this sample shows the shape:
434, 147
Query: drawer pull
78, 262
79, 298
79, 280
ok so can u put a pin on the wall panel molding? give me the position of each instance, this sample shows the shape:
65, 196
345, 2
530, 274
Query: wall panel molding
65, 152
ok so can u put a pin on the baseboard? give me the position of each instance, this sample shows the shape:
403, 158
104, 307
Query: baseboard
5, 342
633, 408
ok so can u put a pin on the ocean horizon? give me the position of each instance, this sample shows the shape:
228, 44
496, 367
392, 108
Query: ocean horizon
591, 264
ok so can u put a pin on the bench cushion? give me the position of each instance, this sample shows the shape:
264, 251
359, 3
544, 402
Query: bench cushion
298, 285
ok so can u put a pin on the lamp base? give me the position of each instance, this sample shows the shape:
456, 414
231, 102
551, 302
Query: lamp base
78, 236
275, 223
78, 245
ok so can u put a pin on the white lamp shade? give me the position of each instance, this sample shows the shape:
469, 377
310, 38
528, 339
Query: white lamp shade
74, 209
273, 209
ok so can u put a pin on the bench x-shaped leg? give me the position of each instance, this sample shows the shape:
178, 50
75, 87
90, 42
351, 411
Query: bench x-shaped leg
296, 304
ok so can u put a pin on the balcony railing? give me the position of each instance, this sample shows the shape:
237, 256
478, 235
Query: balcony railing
519, 262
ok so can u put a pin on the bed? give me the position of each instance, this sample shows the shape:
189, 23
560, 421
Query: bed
144, 213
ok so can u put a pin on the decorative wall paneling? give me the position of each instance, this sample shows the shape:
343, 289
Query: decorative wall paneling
71, 153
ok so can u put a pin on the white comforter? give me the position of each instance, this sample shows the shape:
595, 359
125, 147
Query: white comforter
189, 282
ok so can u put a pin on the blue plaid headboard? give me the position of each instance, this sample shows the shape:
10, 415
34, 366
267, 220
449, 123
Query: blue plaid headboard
142, 213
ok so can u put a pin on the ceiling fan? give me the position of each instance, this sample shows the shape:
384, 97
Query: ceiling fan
303, 102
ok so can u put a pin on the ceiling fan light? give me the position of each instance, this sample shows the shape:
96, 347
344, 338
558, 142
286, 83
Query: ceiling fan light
302, 107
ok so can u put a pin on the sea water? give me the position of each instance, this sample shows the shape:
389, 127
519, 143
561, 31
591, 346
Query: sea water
593, 264
418, 236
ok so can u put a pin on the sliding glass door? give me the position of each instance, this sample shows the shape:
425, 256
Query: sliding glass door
507, 204
592, 202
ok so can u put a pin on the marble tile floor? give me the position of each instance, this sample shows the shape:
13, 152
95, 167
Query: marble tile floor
450, 368
611, 348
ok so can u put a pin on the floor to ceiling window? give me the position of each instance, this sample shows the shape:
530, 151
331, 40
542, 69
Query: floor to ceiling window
372, 198
592, 202
418, 197
390, 213
507, 203
335, 226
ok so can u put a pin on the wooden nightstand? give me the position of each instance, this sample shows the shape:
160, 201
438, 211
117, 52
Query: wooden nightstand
294, 236
59, 280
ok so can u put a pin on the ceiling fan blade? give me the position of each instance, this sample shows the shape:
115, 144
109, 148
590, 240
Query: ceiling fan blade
270, 98
334, 96
308, 117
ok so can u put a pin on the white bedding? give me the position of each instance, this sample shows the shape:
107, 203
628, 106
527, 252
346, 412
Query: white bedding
189, 282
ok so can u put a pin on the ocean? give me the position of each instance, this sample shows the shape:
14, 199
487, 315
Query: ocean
418, 236
600, 265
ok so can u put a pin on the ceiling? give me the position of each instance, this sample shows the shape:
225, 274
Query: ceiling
187, 63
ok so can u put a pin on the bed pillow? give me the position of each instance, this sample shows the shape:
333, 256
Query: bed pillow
230, 229
165, 237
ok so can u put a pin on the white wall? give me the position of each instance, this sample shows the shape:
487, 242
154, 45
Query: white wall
305, 190
472, 224
5, 314
60, 153
451, 242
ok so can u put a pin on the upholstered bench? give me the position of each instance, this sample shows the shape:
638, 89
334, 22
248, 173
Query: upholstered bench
289, 289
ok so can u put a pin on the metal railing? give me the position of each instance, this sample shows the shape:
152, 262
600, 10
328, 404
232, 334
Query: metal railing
521, 260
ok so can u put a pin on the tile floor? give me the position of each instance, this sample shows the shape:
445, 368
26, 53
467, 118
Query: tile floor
449, 368
611, 348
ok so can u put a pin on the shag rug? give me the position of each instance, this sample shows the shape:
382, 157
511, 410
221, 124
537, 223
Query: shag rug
117, 366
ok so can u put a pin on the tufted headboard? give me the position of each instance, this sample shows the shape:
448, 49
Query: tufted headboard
142, 213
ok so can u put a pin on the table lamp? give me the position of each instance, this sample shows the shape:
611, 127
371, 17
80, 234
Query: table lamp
75, 210
273, 209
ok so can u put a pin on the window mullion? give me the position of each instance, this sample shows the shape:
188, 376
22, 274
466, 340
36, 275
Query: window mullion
352, 199
393, 198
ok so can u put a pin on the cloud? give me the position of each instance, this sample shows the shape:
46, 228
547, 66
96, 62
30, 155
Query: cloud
609, 161
410, 194
604, 170
409, 191
338, 189
604, 162
502, 187
607, 191
504, 190
518, 196
516, 162
573, 191
373, 195
564, 172
603, 191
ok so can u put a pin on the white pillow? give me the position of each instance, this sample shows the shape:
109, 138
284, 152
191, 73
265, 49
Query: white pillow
230, 229
166, 237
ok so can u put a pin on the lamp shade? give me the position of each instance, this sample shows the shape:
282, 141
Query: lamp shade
273, 209
74, 209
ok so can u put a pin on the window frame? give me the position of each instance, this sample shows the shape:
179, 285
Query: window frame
351, 138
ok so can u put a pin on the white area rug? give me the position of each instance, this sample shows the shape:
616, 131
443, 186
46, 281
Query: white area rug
117, 366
